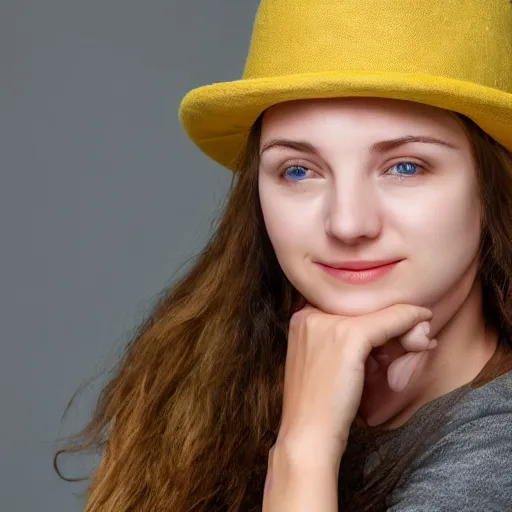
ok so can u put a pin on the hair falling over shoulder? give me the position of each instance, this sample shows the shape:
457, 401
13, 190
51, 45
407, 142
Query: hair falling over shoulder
186, 421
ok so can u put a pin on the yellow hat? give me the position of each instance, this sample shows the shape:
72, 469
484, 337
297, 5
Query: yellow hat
452, 54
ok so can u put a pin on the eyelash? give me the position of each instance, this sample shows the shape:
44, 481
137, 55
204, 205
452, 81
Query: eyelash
394, 176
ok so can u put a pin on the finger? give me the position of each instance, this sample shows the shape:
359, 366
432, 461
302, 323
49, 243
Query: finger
381, 326
416, 339
402, 369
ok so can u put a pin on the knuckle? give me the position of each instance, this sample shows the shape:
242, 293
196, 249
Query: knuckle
349, 333
295, 318
312, 323
343, 329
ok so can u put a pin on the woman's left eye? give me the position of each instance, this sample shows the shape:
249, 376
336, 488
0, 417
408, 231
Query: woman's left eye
406, 169
295, 171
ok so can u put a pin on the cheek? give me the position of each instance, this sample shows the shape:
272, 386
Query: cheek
454, 222
442, 212
290, 224
291, 236
293, 231
442, 230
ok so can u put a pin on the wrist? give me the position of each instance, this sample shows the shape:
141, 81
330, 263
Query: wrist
316, 451
299, 482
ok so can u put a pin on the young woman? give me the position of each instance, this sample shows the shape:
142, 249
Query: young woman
343, 342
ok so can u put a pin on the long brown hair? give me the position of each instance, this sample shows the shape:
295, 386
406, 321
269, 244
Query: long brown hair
193, 407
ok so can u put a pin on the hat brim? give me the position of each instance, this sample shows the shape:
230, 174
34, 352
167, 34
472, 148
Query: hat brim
218, 117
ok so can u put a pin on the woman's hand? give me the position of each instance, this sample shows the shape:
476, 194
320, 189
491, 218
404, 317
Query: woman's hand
325, 372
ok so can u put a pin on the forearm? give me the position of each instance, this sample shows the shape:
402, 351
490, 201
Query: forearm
300, 486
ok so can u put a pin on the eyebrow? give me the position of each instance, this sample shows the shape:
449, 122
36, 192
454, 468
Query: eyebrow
378, 147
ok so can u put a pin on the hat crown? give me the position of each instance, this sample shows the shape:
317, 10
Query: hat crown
467, 40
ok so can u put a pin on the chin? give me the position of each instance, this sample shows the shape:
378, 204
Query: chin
358, 304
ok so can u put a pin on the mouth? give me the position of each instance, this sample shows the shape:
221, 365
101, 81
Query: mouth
359, 272
359, 264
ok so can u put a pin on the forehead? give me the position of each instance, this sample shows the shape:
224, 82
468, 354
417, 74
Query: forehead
368, 118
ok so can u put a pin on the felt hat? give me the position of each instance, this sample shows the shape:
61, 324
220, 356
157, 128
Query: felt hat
456, 55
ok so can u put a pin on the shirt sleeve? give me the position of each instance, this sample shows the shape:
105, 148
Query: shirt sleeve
469, 469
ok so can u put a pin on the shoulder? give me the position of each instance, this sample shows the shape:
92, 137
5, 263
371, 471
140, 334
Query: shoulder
492, 399
470, 466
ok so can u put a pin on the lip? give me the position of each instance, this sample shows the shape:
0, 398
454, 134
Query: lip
359, 265
368, 271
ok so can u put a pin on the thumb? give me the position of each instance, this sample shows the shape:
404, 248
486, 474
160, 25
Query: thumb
402, 369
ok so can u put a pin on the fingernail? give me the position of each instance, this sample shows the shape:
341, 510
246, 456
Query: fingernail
426, 327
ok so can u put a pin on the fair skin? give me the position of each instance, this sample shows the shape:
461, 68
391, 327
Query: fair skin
338, 205
324, 380
338, 201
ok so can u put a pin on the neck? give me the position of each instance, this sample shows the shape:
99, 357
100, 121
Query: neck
465, 345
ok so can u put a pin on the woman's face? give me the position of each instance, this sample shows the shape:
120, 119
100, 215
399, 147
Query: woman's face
334, 191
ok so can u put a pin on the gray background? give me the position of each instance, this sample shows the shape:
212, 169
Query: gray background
103, 199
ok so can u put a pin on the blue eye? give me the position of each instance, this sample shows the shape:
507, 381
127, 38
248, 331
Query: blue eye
407, 169
295, 174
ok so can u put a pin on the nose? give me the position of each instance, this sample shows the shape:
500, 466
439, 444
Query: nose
353, 212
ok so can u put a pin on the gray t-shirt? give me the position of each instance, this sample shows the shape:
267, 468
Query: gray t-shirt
469, 468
